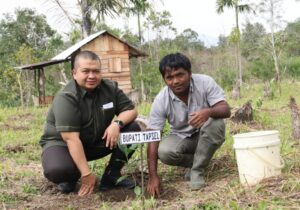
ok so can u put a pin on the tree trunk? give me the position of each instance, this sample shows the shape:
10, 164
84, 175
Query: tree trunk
86, 18
143, 95
235, 93
295, 118
20, 88
274, 53
238, 53
41, 87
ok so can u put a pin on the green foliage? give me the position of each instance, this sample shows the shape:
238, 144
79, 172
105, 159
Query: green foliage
292, 66
29, 189
208, 206
262, 68
24, 38
7, 198
138, 191
292, 31
189, 40
251, 38
235, 35
225, 78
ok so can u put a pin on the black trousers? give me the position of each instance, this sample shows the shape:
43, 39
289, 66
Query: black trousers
59, 166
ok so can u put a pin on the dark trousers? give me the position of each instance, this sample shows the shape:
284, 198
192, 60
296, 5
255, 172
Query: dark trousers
59, 166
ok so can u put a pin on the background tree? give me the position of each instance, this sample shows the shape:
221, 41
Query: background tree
159, 25
25, 38
139, 8
238, 8
189, 41
252, 35
271, 10
93, 12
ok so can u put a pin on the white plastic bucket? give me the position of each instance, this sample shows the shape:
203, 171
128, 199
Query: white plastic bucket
258, 156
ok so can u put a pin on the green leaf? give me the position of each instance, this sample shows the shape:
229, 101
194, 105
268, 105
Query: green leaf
121, 179
137, 190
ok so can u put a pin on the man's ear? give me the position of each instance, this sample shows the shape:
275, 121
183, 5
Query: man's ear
73, 72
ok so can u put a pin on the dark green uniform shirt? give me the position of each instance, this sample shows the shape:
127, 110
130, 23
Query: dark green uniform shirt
90, 113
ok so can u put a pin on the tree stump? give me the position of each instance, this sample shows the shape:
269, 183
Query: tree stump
243, 114
295, 118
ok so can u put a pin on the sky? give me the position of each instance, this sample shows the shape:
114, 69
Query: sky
199, 15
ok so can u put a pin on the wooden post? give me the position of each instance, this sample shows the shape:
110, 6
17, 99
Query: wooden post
41, 86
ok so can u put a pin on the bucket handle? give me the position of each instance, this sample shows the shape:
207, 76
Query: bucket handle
268, 162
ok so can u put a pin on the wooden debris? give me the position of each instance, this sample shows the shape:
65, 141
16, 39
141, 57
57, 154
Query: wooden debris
295, 118
243, 114
142, 121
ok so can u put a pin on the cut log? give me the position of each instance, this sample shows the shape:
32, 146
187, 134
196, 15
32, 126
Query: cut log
295, 118
243, 114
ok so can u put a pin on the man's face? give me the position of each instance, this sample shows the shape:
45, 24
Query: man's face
178, 80
87, 73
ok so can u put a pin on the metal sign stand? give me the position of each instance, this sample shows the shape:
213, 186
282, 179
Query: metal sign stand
142, 176
141, 138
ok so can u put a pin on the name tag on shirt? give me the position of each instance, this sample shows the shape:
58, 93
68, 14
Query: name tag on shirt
108, 105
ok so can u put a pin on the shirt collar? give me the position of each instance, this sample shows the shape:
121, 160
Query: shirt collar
84, 92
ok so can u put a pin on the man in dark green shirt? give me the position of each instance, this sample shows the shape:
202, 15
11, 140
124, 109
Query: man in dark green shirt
80, 128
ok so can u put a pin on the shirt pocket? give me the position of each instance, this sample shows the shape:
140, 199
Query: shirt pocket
107, 115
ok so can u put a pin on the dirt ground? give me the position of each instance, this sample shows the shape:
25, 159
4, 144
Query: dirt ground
222, 188
23, 186
175, 193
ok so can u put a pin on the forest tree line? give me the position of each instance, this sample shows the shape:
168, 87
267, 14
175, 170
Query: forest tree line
250, 53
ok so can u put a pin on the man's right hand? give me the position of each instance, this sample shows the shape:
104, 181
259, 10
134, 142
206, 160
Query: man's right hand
154, 185
87, 184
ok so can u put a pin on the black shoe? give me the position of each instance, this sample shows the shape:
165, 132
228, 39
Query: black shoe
66, 187
109, 181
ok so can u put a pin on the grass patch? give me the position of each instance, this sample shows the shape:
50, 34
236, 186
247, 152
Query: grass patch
22, 184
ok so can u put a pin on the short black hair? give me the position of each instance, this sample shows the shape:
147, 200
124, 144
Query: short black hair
86, 54
174, 61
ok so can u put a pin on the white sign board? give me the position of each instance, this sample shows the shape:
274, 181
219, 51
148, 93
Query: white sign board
139, 137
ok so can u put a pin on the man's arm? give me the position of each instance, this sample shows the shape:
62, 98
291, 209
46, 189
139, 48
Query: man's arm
154, 180
218, 110
112, 132
77, 153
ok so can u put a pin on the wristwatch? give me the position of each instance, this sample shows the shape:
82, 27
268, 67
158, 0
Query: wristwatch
120, 123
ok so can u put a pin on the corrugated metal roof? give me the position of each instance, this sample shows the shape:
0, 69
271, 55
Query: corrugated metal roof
39, 65
66, 55
68, 52
134, 52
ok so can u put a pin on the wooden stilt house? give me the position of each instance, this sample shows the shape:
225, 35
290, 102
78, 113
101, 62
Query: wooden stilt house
114, 53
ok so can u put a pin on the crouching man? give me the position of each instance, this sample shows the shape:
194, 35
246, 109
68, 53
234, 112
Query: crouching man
80, 128
194, 106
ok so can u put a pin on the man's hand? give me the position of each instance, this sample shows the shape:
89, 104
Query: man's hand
153, 186
111, 135
87, 184
197, 119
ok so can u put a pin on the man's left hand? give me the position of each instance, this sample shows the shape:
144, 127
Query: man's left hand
111, 135
197, 119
